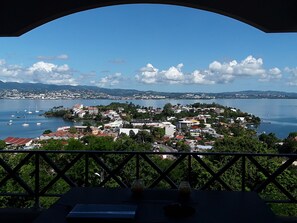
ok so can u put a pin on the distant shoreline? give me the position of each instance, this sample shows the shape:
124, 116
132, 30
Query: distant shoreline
14, 90
131, 98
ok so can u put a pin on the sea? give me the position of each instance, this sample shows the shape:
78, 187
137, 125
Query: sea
278, 116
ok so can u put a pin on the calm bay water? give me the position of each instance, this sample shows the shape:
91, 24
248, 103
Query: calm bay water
277, 115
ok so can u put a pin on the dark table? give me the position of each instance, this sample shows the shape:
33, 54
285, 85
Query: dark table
210, 206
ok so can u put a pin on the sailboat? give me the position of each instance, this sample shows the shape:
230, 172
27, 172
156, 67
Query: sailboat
36, 111
25, 124
29, 112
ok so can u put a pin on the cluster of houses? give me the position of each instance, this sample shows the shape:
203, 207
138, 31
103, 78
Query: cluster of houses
190, 130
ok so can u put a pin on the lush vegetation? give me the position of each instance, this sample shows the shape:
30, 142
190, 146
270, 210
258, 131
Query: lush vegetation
142, 142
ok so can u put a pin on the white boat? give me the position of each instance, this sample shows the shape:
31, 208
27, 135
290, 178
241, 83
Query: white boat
38, 123
29, 111
25, 124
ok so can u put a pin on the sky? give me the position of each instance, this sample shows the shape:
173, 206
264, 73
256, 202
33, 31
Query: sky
152, 47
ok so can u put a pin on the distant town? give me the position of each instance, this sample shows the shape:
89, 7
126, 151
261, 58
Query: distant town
87, 94
11, 90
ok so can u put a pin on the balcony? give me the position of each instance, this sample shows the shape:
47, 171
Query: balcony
33, 180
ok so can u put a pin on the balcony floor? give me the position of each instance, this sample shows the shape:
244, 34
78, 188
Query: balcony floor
17, 215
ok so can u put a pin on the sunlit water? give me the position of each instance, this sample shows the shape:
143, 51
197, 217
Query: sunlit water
278, 115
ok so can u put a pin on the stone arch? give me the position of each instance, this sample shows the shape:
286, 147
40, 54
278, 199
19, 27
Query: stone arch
18, 17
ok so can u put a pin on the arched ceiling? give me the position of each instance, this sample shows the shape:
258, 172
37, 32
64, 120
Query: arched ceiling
20, 16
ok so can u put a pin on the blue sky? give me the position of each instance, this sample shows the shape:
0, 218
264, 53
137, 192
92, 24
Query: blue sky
152, 47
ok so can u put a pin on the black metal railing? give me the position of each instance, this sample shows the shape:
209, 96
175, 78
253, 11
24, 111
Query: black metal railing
36, 174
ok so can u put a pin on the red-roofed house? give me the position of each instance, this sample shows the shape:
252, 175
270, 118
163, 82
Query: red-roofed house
198, 138
93, 110
17, 142
179, 137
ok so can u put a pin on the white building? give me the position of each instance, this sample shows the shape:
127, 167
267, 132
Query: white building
240, 119
140, 110
181, 124
199, 148
169, 129
93, 110
81, 114
115, 124
113, 115
127, 130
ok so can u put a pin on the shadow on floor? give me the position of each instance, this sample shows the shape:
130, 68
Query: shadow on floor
17, 215
287, 219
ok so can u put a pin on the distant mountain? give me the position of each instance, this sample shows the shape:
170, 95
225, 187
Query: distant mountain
255, 94
37, 87
43, 88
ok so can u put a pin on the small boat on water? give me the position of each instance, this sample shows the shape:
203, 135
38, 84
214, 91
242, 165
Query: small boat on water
38, 123
25, 124
29, 111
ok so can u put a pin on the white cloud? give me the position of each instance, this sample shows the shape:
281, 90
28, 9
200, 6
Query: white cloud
148, 74
217, 72
40, 72
292, 80
49, 73
172, 75
109, 80
227, 72
151, 75
291, 71
272, 74
63, 57
10, 73
59, 57
197, 77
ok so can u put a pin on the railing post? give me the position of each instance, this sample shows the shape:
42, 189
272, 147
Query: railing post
86, 169
137, 166
243, 170
189, 167
37, 181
